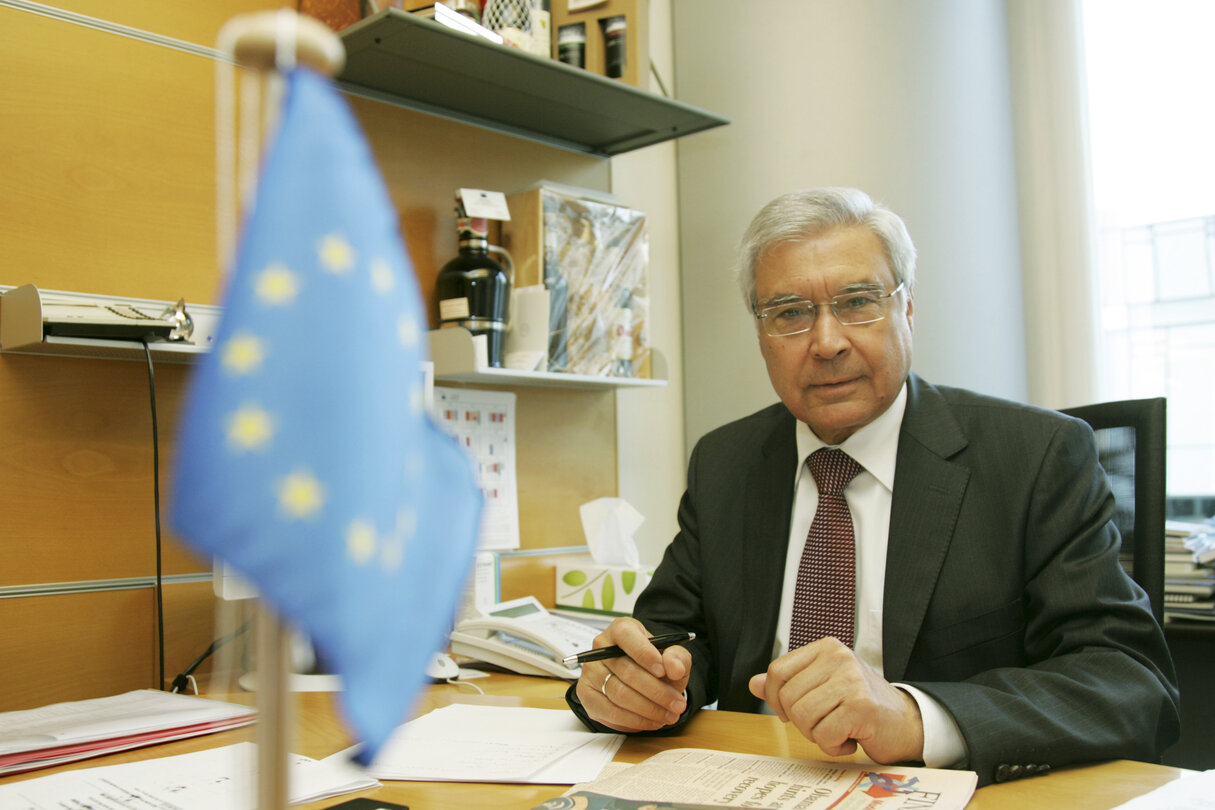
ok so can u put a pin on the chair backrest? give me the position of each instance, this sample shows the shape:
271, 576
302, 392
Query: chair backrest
1131, 447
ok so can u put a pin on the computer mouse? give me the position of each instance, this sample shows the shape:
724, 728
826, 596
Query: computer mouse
442, 668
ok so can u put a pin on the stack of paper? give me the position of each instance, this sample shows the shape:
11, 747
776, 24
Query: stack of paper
463, 743
205, 780
64, 732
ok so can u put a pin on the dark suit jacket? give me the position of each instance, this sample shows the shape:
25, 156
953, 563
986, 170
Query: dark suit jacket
1004, 597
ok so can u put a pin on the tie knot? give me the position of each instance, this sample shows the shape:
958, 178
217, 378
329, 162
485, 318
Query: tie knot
832, 469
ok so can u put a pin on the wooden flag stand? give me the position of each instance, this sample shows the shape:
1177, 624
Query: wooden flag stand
268, 41
274, 715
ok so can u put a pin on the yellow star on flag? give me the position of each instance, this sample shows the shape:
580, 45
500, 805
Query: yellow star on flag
407, 331
301, 495
392, 555
360, 542
250, 428
382, 280
243, 353
336, 255
277, 285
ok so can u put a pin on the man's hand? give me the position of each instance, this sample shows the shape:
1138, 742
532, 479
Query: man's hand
640, 691
837, 702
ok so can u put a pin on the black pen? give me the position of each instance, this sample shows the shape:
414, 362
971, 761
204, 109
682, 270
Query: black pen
661, 642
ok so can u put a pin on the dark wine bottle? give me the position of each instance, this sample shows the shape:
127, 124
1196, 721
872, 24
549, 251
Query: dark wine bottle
473, 289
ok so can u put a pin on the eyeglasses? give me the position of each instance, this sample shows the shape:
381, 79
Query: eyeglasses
850, 309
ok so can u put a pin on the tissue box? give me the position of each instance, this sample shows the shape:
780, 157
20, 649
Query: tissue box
604, 589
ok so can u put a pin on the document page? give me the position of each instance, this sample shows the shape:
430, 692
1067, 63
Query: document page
694, 777
463, 743
223, 777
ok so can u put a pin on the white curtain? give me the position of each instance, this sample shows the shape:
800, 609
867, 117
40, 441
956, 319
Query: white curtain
1057, 232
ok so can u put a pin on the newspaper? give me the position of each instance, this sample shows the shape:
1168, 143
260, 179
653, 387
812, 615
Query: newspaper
696, 778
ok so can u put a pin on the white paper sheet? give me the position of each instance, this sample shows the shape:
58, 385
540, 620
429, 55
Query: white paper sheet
465, 743
205, 780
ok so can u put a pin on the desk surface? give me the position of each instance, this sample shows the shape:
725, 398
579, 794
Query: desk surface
320, 733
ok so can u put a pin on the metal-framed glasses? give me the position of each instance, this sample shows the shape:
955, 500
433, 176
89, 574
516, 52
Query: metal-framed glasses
795, 316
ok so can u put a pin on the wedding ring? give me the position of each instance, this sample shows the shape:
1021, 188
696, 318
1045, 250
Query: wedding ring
603, 688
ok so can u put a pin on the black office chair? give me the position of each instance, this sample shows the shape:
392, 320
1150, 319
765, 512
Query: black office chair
1131, 447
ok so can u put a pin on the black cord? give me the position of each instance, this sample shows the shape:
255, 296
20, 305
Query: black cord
160, 596
179, 683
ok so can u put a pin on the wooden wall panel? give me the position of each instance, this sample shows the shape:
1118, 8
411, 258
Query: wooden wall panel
566, 457
192, 623
76, 469
109, 188
74, 646
193, 22
84, 645
532, 575
109, 183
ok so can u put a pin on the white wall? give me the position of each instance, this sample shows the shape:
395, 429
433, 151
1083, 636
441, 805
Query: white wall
908, 100
649, 421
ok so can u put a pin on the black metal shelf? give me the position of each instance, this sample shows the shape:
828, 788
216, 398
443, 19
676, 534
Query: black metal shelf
403, 59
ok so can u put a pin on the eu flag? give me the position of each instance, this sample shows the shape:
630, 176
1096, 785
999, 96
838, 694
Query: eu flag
306, 459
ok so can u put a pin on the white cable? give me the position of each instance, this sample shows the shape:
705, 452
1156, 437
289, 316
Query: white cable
458, 682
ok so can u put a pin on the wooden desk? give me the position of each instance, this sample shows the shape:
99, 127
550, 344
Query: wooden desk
320, 733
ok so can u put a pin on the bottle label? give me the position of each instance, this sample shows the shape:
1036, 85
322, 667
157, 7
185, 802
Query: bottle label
453, 309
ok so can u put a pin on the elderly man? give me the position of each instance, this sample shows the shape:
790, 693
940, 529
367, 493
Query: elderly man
922, 571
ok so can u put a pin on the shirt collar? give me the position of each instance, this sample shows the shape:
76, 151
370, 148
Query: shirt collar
875, 446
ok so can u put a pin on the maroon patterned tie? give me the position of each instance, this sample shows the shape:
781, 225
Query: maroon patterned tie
824, 601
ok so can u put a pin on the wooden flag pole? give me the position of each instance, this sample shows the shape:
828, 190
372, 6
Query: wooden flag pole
264, 42
274, 715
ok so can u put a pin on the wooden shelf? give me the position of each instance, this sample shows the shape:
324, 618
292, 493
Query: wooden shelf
458, 357
403, 59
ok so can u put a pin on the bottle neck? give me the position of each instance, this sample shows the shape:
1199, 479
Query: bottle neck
473, 234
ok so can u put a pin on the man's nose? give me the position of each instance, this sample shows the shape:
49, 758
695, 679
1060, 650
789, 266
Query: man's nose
828, 339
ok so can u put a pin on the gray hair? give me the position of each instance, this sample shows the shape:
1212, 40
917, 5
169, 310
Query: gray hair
801, 214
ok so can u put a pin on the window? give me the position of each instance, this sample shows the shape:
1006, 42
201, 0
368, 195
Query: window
1149, 65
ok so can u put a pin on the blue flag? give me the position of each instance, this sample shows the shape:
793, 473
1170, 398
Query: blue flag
306, 458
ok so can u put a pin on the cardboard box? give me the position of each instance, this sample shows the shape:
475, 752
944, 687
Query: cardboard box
602, 589
593, 256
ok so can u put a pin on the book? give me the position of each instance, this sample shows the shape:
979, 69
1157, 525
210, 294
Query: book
1191, 587
1199, 609
697, 778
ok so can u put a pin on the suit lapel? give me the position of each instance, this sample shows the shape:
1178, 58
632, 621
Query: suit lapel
768, 504
928, 490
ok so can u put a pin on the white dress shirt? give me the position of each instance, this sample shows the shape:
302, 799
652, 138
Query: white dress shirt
875, 448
